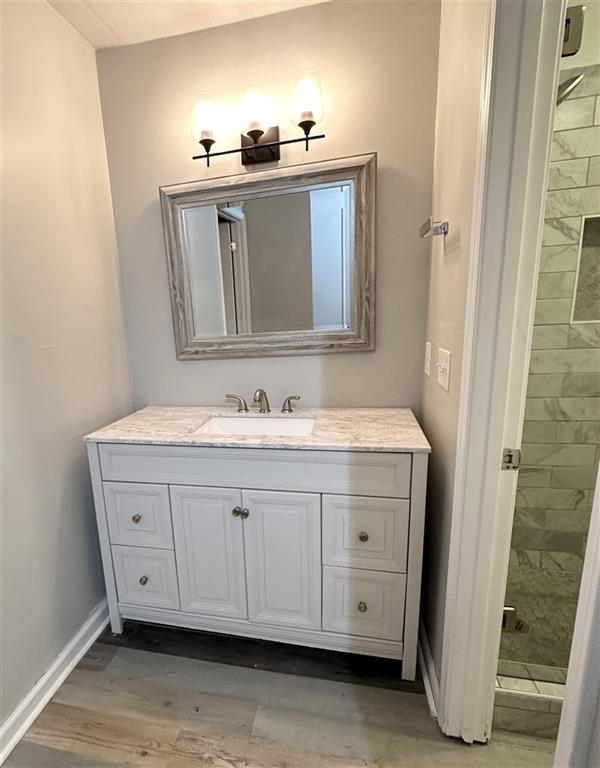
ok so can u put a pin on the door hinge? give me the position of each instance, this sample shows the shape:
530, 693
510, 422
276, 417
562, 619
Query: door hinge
511, 458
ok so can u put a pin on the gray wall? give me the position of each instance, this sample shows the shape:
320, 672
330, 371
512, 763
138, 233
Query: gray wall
378, 71
63, 366
461, 60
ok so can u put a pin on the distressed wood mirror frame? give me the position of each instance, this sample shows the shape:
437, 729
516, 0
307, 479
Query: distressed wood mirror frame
360, 173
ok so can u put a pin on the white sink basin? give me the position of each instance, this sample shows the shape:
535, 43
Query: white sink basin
283, 426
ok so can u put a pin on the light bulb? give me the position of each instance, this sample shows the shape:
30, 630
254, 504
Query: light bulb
257, 113
308, 103
205, 121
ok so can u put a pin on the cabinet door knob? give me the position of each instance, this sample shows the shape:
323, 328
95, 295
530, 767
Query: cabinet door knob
136, 518
362, 606
245, 513
144, 581
363, 536
236, 511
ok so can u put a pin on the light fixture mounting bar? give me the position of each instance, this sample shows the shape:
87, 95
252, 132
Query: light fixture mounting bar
239, 150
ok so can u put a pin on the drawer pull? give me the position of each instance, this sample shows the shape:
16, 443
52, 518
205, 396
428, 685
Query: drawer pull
136, 518
245, 513
144, 581
363, 536
237, 511
362, 606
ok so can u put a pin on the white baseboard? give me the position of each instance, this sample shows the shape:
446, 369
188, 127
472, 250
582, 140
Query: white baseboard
428, 671
16, 724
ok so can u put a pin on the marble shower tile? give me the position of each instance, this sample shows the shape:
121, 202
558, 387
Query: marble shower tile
562, 409
553, 498
594, 169
550, 336
542, 724
568, 520
561, 231
534, 477
525, 685
580, 142
590, 85
597, 112
548, 541
581, 385
575, 113
545, 385
511, 668
547, 454
579, 432
561, 561
565, 361
582, 335
559, 258
584, 201
531, 702
539, 432
543, 672
556, 285
550, 689
565, 174
552, 311
574, 477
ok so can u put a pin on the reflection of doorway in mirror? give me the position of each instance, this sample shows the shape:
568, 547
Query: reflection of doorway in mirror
330, 245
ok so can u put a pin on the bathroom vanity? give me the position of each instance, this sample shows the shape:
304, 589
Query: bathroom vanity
303, 528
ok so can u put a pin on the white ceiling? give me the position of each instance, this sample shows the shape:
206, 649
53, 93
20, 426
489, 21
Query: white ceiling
107, 23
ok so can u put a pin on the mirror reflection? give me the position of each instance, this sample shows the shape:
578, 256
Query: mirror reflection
273, 262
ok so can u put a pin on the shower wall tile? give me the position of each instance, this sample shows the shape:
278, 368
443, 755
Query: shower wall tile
545, 385
597, 112
559, 258
556, 285
583, 335
594, 169
581, 385
561, 231
568, 173
580, 142
574, 477
540, 432
552, 454
562, 409
534, 477
575, 113
553, 498
569, 520
590, 84
583, 201
552, 311
567, 361
548, 541
579, 432
550, 336
562, 561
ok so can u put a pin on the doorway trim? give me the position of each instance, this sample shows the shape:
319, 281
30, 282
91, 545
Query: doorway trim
525, 50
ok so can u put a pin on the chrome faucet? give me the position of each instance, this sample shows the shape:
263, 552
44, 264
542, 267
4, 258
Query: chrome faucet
260, 397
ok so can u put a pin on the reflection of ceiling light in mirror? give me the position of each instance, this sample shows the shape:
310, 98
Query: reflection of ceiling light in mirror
308, 102
257, 112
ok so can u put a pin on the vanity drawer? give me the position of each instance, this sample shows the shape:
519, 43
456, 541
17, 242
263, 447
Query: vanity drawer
363, 532
146, 577
366, 603
139, 514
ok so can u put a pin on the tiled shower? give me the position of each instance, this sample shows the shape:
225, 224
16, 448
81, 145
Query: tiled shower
561, 434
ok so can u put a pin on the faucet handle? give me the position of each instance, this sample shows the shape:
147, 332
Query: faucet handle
242, 404
287, 404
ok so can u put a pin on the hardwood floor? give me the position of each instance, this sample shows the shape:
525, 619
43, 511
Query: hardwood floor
123, 706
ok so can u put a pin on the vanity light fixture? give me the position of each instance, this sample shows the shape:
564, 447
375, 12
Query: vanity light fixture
259, 140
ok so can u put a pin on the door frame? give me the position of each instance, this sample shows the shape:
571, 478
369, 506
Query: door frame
517, 116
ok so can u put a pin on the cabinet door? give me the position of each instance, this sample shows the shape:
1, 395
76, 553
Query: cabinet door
209, 545
282, 535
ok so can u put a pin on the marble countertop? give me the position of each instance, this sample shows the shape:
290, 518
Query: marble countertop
392, 430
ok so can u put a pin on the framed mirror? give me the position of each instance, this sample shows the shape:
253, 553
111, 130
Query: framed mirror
278, 262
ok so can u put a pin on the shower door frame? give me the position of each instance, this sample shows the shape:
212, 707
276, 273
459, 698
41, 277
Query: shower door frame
498, 328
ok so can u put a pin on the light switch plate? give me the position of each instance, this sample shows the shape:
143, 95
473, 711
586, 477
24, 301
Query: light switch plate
443, 368
427, 358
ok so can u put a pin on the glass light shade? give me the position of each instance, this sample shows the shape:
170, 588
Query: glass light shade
308, 102
205, 119
256, 111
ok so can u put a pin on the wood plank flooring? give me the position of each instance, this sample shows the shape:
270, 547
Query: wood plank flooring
123, 706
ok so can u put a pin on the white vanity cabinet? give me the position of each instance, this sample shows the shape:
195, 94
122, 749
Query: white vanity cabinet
313, 547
